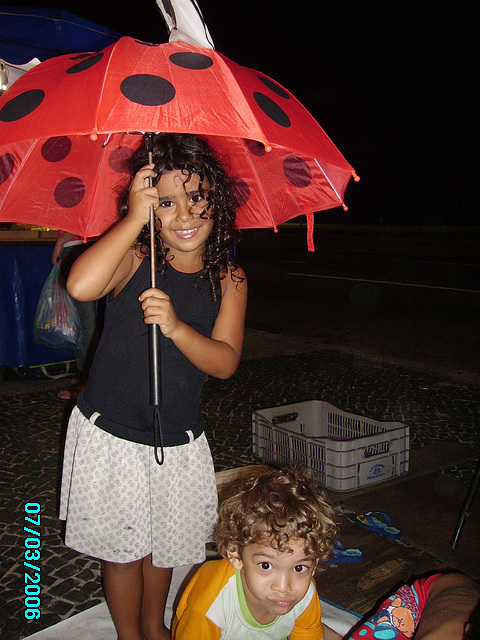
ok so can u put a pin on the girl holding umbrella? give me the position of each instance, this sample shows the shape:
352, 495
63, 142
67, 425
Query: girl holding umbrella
142, 518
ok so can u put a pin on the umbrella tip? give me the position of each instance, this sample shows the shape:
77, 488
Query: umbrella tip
93, 136
355, 177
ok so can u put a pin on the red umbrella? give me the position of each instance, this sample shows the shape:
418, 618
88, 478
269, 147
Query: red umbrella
67, 126
64, 124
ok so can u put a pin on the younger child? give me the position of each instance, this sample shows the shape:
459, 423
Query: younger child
272, 531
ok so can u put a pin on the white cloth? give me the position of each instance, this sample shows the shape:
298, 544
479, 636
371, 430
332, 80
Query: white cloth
185, 22
96, 624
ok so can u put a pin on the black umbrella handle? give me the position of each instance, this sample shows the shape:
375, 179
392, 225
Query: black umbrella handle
154, 347
154, 352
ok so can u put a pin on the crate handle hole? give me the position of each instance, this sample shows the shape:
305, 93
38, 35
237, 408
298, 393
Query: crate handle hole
376, 449
286, 417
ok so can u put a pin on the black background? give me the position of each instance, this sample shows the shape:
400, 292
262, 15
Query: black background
392, 83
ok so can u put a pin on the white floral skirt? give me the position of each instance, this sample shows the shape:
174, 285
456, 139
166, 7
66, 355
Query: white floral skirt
120, 505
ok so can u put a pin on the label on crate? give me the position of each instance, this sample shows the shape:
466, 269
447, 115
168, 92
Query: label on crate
369, 472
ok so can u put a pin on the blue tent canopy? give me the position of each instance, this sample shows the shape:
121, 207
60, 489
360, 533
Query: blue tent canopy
29, 32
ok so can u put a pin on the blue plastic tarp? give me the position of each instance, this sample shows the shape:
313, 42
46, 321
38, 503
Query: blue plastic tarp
29, 32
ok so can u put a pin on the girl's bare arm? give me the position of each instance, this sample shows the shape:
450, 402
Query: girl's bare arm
219, 355
105, 264
110, 261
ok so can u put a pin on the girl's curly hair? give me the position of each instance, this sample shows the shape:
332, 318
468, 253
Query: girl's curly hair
191, 154
273, 508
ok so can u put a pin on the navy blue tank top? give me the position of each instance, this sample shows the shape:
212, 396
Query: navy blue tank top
118, 384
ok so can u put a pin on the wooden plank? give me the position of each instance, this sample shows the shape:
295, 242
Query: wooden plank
387, 565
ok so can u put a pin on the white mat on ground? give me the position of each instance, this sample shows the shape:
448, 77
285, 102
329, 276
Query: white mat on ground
96, 624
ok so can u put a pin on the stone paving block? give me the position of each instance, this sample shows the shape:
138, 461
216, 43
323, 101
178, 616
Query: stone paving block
60, 588
61, 607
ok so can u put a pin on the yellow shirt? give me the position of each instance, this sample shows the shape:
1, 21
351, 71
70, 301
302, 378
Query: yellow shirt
213, 607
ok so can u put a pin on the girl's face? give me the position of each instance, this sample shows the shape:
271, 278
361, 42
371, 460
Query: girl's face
184, 229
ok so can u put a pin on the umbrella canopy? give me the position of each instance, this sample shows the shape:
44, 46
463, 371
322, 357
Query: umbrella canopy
64, 124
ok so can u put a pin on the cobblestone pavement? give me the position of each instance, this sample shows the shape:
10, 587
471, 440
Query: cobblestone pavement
435, 407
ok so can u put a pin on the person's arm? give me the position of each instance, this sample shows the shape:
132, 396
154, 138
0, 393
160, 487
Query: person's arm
451, 600
219, 355
330, 634
111, 261
63, 237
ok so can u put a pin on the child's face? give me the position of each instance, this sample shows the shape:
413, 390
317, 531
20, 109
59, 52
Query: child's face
274, 581
183, 230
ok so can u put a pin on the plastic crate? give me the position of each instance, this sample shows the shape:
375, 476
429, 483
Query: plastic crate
345, 451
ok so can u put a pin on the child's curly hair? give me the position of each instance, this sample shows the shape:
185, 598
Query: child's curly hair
275, 507
191, 154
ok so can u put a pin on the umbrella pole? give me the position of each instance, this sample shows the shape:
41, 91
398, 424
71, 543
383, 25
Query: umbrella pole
153, 329
154, 347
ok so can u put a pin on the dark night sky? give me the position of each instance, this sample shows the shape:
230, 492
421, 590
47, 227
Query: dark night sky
392, 83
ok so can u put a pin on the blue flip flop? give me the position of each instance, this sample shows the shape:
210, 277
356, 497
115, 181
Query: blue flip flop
370, 522
340, 554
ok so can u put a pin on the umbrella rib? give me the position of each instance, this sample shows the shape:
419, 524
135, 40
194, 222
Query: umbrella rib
330, 183
261, 185
94, 190
95, 130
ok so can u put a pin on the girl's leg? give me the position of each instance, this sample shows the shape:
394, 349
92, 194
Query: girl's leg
156, 583
123, 586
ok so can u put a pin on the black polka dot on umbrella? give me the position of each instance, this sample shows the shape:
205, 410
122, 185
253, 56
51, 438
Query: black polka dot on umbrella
190, 60
241, 190
22, 105
87, 63
69, 192
255, 148
56, 149
276, 88
297, 172
147, 90
119, 158
7, 165
271, 109
81, 56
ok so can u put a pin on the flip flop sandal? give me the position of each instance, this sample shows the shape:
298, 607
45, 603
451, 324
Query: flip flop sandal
340, 554
370, 522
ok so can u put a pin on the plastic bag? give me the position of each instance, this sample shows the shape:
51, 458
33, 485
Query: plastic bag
56, 323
